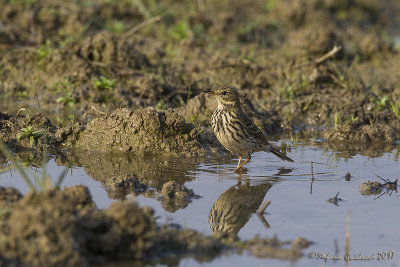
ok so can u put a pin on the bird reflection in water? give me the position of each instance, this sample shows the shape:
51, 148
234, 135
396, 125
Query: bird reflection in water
233, 208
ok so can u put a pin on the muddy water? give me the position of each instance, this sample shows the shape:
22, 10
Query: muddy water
299, 195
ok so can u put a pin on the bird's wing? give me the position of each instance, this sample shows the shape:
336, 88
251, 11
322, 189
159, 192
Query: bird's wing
254, 131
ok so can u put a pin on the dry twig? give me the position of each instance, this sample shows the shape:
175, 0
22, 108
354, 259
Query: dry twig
142, 25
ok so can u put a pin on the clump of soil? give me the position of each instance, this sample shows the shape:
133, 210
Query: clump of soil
377, 188
361, 134
119, 188
174, 196
8, 196
40, 227
143, 131
63, 227
370, 188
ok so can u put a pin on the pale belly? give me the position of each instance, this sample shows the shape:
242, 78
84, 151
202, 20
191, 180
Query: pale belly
238, 146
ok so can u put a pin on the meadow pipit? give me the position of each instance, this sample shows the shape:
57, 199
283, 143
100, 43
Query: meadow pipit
235, 131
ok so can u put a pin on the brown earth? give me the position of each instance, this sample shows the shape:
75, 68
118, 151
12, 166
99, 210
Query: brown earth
87, 67
64, 227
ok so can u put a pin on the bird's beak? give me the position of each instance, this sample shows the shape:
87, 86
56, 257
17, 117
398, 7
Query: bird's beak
210, 91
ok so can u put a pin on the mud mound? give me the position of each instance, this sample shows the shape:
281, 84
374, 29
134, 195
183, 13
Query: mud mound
8, 196
143, 131
41, 227
108, 48
363, 134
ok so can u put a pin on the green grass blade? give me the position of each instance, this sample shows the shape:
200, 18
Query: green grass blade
61, 178
8, 154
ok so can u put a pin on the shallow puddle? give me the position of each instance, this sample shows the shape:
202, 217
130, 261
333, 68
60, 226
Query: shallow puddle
299, 194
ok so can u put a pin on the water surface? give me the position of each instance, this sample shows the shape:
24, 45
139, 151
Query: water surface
298, 192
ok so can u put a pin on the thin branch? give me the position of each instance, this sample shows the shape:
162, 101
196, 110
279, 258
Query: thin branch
312, 177
331, 53
347, 236
142, 25
321, 59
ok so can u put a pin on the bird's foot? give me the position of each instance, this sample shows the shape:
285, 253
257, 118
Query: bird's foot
240, 170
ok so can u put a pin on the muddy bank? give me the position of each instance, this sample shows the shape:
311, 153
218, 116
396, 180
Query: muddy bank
96, 59
63, 227
140, 131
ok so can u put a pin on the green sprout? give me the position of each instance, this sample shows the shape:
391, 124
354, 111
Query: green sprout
103, 83
44, 50
160, 105
180, 31
380, 103
29, 133
68, 100
395, 109
116, 26
337, 120
287, 92
67, 89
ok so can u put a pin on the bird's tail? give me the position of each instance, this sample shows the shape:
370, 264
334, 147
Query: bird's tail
279, 154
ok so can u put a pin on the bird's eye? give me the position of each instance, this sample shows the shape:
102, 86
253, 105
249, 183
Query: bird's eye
223, 93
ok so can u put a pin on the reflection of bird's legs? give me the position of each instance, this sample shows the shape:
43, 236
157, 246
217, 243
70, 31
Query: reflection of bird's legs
240, 159
263, 220
260, 212
239, 180
244, 162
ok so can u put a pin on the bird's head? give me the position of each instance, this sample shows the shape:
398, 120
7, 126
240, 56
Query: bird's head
226, 95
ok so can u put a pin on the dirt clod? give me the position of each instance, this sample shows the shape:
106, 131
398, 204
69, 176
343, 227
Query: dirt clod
174, 196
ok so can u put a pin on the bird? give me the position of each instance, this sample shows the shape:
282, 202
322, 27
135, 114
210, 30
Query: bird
235, 131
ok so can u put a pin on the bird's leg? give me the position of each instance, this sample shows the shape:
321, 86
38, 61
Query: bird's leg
240, 159
244, 162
